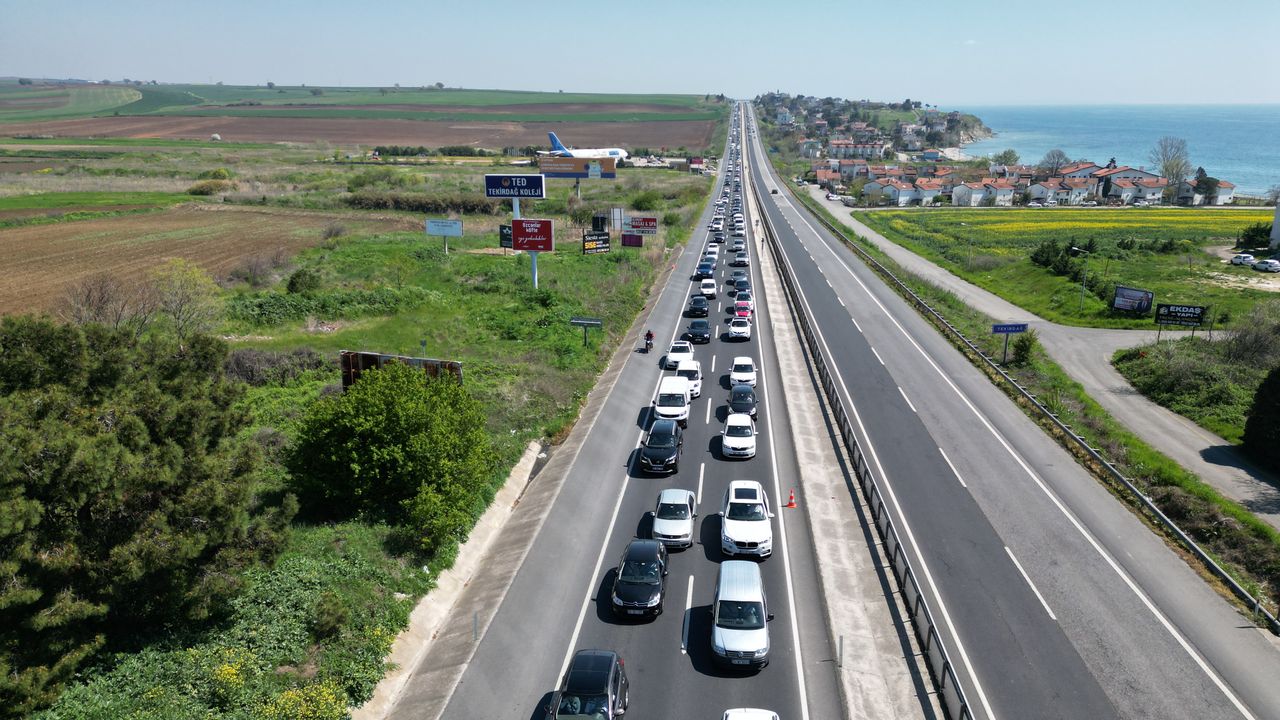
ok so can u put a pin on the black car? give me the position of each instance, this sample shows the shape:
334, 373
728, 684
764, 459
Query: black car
705, 270
698, 332
661, 450
742, 399
640, 584
741, 284
595, 686
698, 306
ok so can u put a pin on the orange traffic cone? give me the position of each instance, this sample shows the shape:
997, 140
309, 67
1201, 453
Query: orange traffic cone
791, 503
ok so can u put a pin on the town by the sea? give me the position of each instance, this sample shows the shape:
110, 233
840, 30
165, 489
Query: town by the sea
1238, 143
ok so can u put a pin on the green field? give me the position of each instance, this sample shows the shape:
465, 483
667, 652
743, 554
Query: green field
69, 102
1164, 250
55, 201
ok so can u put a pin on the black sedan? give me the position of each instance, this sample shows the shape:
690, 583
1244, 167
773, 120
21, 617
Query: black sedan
699, 332
640, 584
742, 399
661, 450
698, 307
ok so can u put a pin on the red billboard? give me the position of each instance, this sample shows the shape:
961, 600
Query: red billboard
532, 235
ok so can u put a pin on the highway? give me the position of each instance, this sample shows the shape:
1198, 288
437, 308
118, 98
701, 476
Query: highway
1056, 601
558, 601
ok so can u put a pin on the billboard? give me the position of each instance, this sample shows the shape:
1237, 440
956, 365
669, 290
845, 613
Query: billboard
354, 362
641, 224
532, 235
447, 228
567, 167
1184, 315
1132, 299
632, 240
595, 242
504, 236
514, 186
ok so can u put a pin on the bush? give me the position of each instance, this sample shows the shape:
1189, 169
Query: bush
421, 202
274, 308
215, 174
383, 176
333, 230
671, 219
1262, 425
265, 367
212, 187
646, 201
328, 615
303, 280
1023, 347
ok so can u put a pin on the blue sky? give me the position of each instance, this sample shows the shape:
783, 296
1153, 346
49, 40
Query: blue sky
946, 52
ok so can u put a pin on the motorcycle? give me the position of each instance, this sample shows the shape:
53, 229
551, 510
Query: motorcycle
648, 345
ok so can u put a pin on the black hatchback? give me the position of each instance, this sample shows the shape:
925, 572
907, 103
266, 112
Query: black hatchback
594, 686
698, 307
661, 450
742, 399
699, 331
640, 585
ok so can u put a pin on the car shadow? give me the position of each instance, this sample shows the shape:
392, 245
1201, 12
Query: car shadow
715, 446
709, 536
699, 621
633, 465
644, 528
542, 708
722, 413
725, 382
644, 416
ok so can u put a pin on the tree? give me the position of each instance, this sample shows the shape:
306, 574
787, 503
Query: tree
397, 445
103, 299
1005, 157
1262, 424
271, 85
1053, 161
128, 502
1206, 186
24, 81
439, 86
317, 92
1170, 155
1273, 194
187, 296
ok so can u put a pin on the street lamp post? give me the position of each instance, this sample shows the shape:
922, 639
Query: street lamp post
1084, 276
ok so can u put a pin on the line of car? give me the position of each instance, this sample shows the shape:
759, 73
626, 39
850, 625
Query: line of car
1264, 264
596, 685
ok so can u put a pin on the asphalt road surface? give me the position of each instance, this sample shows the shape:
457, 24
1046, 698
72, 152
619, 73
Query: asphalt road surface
1056, 601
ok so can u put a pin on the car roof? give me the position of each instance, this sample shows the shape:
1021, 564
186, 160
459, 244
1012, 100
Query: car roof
688, 365
740, 321
642, 549
664, 425
589, 671
740, 580
743, 359
682, 344
674, 495
746, 490
738, 419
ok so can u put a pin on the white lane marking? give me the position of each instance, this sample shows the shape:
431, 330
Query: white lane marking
702, 468
1093, 542
688, 614
841, 301
713, 364
873, 352
904, 397
833, 287
856, 326
953, 468
1026, 577
708, 418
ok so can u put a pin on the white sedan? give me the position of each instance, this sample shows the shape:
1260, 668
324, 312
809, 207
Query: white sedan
1243, 259
1267, 265
738, 439
673, 517
743, 371
740, 329
680, 350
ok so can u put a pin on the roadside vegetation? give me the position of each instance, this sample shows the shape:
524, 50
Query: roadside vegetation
1242, 544
286, 606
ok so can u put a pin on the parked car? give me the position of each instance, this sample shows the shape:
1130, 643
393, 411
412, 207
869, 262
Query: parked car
640, 584
1089, 203
740, 329
742, 399
743, 371
744, 520
1267, 265
595, 686
680, 350
738, 439
698, 307
1035, 204
699, 331
1243, 259
660, 452
673, 517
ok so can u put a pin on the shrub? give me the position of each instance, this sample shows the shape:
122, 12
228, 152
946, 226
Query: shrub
328, 615
421, 202
383, 176
265, 367
303, 280
333, 230
671, 219
1023, 347
646, 201
215, 174
323, 701
1262, 426
274, 308
212, 187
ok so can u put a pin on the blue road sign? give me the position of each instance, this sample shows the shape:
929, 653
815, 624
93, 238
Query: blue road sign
527, 185
1008, 328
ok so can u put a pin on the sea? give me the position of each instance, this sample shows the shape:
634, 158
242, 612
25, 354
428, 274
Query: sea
1238, 143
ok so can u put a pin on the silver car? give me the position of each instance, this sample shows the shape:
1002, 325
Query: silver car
673, 517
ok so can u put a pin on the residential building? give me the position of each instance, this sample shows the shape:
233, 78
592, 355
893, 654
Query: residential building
893, 191
829, 179
932, 154
968, 194
1189, 195
928, 189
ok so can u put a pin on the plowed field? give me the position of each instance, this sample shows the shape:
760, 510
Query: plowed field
41, 261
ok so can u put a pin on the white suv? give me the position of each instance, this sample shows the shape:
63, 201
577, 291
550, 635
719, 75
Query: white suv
745, 528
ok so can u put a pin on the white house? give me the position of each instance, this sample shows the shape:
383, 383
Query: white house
968, 194
1121, 191
928, 189
1001, 191
1045, 190
894, 191
1188, 195
1123, 172
1150, 190
1082, 169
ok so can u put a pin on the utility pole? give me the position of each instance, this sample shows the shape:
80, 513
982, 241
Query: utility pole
1085, 276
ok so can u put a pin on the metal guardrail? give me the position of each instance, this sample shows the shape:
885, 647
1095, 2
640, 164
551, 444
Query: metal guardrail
954, 703
1209, 563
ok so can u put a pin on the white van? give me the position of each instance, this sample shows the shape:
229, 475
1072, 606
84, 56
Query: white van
691, 370
673, 399
740, 616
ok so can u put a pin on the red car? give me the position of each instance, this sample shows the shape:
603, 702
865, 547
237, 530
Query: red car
742, 308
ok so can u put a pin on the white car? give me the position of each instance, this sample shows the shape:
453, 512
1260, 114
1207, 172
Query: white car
832, 196
1035, 203
673, 517
738, 439
742, 371
1243, 259
1267, 265
744, 520
680, 350
740, 328
708, 288
750, 714
691, 370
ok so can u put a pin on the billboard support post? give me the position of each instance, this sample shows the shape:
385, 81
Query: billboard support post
534, 255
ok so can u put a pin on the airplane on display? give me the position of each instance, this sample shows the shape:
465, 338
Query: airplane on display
559, 150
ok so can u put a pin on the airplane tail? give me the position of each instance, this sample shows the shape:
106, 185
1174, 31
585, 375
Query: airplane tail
556, 144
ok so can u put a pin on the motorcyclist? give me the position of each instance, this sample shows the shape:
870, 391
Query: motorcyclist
648, 340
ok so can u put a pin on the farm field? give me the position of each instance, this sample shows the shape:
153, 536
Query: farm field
1177, 253
42, 260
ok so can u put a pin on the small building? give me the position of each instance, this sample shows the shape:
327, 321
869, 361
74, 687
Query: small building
1150, 190
931, 154
928, 189
1082, 169
829, 179
853, 168
1121, 192
1189, 195
893, 191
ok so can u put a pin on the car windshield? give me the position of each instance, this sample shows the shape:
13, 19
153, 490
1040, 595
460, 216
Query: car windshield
678, 349
746, 511
699, 325
740, 615
672, 511
742, 367
640, 572
738, 431
576, 706
662, 440
741, 396
740, 323
671, 399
